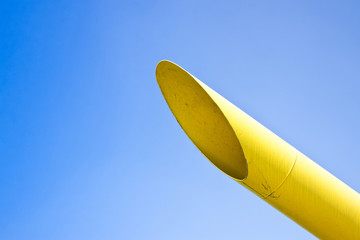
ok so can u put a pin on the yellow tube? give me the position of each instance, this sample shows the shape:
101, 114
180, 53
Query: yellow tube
258, 159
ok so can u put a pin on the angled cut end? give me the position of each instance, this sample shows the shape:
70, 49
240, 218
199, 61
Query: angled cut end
201, 119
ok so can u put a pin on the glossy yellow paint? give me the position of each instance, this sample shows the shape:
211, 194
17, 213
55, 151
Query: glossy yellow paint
258, 159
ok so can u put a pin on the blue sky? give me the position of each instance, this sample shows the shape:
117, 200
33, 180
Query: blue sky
90, 150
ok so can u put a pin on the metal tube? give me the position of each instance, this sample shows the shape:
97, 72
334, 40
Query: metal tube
258, 159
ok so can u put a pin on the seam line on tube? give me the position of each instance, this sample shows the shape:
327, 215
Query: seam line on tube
292, 167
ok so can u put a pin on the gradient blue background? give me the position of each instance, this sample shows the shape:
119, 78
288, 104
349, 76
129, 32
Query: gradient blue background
90, 150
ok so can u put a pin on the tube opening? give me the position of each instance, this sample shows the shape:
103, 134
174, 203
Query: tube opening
201, 119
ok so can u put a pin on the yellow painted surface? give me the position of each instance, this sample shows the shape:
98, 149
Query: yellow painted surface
255, 157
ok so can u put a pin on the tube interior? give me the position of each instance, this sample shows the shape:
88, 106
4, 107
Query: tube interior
201, 119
